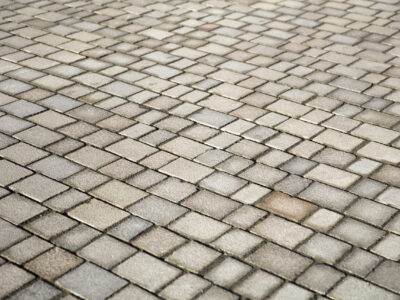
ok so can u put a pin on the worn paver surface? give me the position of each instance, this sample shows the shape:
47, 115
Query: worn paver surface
200, 149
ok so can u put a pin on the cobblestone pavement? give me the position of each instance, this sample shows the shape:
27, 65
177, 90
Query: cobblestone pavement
199, 149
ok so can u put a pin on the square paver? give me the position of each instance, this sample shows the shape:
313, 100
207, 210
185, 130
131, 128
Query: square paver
12, 278
280, 261
186, 170
157, 210
56, 167
18, 209
106, 251
38, 187
193, 256
53, 263
147, 271
199, 227
98, 214
131, 149
91, 157
222, 183
91, 282
11, 172
118, 193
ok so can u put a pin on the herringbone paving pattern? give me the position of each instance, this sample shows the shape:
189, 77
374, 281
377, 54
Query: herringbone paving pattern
212, 149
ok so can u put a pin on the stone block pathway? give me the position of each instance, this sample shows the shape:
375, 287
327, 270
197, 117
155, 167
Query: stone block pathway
200, 149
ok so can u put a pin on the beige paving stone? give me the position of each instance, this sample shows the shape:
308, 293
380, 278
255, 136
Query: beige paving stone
338, 140
185, 147
299, 128
12, 278
131, 149
332, 176
287, 206
98, 214
186, 170
147, 271
380, 152
118, 193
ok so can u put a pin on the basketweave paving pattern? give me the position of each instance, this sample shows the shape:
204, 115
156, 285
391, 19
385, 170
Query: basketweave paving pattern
199, 149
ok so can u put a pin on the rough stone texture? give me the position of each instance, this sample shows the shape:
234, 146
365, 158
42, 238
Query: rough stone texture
240, 149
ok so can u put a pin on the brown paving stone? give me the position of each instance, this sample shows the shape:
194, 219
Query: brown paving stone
287, 206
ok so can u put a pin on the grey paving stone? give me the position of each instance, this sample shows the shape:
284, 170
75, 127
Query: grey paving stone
147, 271
77, 237
324, 248
106, 251
185, 287
193, 256
357, 233
90, 281
130, 228
320, 278
353, 288
56, 167
227, 272
22, 108
279, 260
387, 275
211, 118
327, 196
291, 291
133, 292
12, 278
258, 285
157, 210
37, 291
10, 234
263, 175
18, 209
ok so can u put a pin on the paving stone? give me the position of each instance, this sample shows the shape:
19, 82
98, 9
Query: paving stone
211, 118
37, 291
159, 241
237, 242
388, 174
130, 228
323, 220
227, 272
39, 136
18, 209
146, 179
217, 293
98, 283
367, 235
106, 252
247, 149
186, 170
22, 153
199, 227
121, 169
210, 204
185, 287
118, 193
278, 260
380, 153
222, 183
258, 285
286, 206
98, 214
133, 292
22, 108
298, 166
185, 147
12, 278
332, 176
263, 175
353, 288
359, 262
147, 271
320, 278
10, 234
324, 248
53, 263
56, 167
154, 209
66, 200
291, 291
131, 149
388, 247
